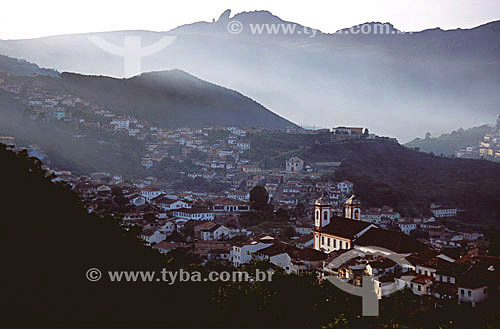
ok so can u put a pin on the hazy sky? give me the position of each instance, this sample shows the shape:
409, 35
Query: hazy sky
35, 18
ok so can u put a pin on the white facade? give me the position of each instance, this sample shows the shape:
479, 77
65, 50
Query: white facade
156, 237
472, 295
345, 187
193, 214
243, 254
150, 193
444, 212
294, 164
243, 146
168, 228
219, 233
406, 228
329, 244
138, 201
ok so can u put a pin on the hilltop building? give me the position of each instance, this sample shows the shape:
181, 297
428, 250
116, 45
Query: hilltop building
294, 164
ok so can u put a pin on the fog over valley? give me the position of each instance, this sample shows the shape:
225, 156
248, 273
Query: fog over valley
400, 85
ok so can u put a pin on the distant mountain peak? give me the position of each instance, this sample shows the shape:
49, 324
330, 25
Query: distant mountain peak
371, 28
224, 16
258, 16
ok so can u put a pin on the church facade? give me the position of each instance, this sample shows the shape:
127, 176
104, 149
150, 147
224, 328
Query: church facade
333, 232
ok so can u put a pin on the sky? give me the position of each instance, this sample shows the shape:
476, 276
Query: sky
23, 19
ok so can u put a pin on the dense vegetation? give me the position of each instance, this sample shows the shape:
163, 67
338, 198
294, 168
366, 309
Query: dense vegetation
22, 68
390, 174
386, 173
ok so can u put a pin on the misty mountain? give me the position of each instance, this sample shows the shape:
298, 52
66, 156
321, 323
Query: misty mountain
397, 84
21, 67
448, 143
171, 99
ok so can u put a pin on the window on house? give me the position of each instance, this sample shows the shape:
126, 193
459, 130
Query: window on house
485, 290
461, 292
334, 243
469, 293
322, 240
329, 242
419, 287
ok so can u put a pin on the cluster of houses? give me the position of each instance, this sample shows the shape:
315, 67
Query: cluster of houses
436, 275
148, 197
443, 265
487, 148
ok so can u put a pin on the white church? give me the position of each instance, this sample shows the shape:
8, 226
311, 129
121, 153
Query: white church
333, 233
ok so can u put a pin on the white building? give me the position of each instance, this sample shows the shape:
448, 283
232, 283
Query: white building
194, 214
167, 228
120, 123
242, 253
230, 205
216, 232
152, 236
168, 204
345, 187
442, 211
138, 200
407, 227
150, 193
294, 164
472, 294
243, 146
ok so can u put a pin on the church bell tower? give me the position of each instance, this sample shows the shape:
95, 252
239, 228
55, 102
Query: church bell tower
353, 208
322, 213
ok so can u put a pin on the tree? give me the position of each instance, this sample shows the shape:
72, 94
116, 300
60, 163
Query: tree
289, 232
116, 191
300, 210
494, 246
150, 217
282, 214
367, 132
259, 197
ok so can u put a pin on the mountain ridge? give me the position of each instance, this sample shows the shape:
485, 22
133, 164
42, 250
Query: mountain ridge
338, 79
184, 88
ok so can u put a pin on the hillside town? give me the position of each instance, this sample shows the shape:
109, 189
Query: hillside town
488, 148
447, 266
301, 223
314, 223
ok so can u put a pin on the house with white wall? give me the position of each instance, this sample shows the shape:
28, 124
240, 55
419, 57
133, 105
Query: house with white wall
194, 214
242, 253
152, 236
